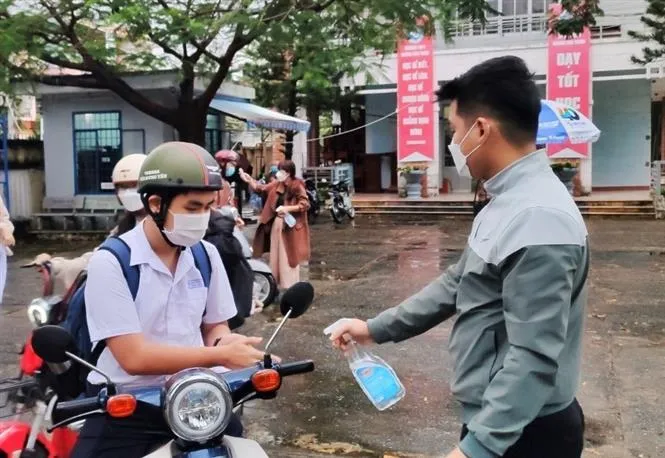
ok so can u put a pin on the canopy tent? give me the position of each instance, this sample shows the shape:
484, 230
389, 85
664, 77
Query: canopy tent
258, 116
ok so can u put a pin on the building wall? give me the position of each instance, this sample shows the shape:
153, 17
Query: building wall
380, 137
622, 111
58, 138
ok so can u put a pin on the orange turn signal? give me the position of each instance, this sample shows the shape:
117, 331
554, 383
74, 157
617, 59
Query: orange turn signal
121, 405
266, 381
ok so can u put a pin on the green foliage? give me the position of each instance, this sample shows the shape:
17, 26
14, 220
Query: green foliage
301, 47
654, 20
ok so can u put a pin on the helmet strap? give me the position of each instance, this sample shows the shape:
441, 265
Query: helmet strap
160, 217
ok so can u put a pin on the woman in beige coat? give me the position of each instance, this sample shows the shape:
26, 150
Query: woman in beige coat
6, 241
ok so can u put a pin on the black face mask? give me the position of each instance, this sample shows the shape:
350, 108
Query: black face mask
478, 206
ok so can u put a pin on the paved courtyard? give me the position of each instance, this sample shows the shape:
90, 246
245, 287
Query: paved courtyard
361, 269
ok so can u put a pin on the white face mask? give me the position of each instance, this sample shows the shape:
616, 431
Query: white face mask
187, 229
130, 199
459, 158
281, 175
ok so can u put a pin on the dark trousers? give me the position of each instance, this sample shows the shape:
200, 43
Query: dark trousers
133, 437
560, 435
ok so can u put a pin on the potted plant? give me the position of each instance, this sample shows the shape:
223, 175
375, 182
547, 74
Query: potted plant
566, 172
412, 176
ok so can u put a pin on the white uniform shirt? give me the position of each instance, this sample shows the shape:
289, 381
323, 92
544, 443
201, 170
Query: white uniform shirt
169, 309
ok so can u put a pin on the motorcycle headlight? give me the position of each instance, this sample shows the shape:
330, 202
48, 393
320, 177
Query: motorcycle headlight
198, 404
40, 309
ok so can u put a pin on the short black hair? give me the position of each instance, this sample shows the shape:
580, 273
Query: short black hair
288, 166
501, 88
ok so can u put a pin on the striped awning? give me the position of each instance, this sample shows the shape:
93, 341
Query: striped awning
257, 116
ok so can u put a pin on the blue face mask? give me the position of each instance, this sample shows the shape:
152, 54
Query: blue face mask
230, 170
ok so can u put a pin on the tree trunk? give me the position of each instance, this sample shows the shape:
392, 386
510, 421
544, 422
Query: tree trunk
313, 146
288, 147
291, 111
192, 127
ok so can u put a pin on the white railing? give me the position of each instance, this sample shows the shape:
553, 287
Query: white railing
500, 25
503, 25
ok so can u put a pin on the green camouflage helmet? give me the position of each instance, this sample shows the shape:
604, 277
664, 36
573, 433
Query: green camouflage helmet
179, 166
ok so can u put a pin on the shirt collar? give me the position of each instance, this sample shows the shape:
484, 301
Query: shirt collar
142, 253
517, 172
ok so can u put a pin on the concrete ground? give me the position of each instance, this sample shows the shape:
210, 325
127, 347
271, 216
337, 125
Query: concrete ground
359, 270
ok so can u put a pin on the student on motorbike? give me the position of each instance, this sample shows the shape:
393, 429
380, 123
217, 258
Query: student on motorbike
241, 277
175, 322
125, 178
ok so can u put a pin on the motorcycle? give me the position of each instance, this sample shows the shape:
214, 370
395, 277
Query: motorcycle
29, 393
341, 204
314, 202
196, 403
265, 285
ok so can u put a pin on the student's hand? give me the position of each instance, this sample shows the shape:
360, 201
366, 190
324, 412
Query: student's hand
351, 329
232, 337
240, 222
281, 210
242, 353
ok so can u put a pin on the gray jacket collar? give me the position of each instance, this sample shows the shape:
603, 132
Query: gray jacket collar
517, 172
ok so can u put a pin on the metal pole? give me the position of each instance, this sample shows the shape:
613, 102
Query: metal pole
4, 130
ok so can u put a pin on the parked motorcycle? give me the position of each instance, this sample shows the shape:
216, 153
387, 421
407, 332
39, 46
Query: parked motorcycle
314, 201
341, 204
29, 394
196, 403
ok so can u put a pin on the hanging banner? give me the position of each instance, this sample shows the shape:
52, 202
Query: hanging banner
415, 93
569, 83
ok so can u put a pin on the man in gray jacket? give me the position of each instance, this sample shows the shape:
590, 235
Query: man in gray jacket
519, 287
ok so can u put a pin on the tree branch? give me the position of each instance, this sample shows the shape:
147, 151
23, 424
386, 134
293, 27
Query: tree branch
63, 63
107, 78
239, 41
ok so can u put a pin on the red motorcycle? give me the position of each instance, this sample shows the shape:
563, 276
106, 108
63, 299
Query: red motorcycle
28, 394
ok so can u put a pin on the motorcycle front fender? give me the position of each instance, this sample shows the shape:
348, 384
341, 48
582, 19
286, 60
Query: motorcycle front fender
232, 447
14, 435
258, 265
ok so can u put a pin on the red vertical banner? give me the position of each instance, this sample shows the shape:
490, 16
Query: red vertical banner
415, 93
569, 82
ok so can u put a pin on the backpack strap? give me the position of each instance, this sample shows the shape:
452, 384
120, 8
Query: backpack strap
202, 262
119, 248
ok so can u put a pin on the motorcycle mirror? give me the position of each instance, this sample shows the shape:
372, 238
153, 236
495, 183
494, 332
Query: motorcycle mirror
51, 343
297, 299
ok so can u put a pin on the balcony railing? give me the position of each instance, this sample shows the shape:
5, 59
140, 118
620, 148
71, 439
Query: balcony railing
500, 25
511, 25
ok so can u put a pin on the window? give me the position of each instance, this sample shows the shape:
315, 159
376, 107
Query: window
539, 6
97, 148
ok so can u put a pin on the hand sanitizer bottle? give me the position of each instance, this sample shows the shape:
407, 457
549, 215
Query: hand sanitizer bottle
377, 379
289, 219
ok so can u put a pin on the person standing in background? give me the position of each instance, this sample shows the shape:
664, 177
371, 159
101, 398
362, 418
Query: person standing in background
289, 246
7, 241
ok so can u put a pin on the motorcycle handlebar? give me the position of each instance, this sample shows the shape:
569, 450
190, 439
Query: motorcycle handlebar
299, 367
69, 409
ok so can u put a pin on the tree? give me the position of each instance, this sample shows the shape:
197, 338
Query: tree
302, 62
654, 20
103, 40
